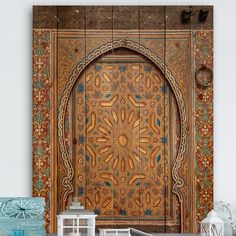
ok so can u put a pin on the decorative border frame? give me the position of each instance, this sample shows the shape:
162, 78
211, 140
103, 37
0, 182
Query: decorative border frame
42, 120
203, 54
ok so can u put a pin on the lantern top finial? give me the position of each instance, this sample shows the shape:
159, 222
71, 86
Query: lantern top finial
212, 218
76, 208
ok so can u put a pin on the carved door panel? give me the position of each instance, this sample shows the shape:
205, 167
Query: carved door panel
124, 118
118, 121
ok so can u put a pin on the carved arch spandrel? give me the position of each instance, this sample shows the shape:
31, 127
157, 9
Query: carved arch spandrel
178, 180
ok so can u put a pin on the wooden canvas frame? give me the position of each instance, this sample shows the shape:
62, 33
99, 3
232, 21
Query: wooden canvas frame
52, 23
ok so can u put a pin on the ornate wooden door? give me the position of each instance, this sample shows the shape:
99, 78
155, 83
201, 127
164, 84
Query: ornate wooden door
125, 121
119, 121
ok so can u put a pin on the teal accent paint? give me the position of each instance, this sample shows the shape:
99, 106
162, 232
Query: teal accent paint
22, 216
18, 233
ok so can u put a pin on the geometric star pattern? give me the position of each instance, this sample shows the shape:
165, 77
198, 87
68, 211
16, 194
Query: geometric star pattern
125, 120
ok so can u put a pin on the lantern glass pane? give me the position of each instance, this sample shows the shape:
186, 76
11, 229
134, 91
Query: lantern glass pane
205, 229
83, 222
217, 229
69, 231
91, 222
85, 232
70, 222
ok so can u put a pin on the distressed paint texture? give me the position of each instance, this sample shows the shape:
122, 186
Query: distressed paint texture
22, 214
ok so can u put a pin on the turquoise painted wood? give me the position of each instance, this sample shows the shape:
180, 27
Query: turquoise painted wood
22, 214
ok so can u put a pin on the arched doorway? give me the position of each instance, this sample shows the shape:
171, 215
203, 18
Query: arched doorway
122, 131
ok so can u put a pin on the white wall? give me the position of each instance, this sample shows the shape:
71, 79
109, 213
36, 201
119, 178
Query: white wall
16, 101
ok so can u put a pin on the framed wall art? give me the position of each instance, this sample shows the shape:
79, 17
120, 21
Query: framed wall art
123, 114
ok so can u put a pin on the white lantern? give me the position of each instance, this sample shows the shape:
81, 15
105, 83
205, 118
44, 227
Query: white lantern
225, 213
76, 221
212, 225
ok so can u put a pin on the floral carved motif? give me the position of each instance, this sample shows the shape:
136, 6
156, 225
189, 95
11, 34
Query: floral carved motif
42, 118
204, 127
